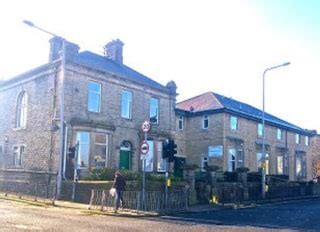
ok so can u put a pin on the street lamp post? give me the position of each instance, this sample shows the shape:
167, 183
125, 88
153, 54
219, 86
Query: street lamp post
263, 128
63, 61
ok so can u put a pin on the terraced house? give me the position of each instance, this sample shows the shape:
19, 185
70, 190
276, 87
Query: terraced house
82, 97
217, 130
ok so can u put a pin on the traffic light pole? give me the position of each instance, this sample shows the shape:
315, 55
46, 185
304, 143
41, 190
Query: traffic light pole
75, 173
166, 184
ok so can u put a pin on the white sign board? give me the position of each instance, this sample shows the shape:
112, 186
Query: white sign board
215, 151
144, 148
146, 126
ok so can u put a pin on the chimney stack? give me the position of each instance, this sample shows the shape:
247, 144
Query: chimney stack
113, 50
56, 49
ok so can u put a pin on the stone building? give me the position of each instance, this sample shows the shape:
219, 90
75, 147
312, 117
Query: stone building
315, 151
87, 99
216, 130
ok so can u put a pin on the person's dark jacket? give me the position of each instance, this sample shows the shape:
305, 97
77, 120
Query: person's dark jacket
119, 183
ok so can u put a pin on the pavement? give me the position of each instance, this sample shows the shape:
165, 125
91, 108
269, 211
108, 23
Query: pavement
134, 213
74, 206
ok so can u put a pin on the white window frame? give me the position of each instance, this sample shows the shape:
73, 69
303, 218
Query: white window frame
106, 144
233, 123
298, 138
260, 130
298, 166
81, 143
259, 164
232, 152
161, 163
204, 119
181, 123
149, 157
128, 104
96, 93
280, 165
21, 111
157, 110
306, 140
279, 134
18, 154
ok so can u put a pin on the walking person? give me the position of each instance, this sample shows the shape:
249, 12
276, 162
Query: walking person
120, 185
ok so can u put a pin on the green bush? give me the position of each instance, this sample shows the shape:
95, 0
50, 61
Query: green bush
102, 174
130, 175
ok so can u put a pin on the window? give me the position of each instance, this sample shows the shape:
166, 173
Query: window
205, 123
1, 152
161, 163
126, 104
260, 130
154, 111
298, 166
232, 160
101, 150
260, 162
149, 157
301, 165
233, 123
297, 139
280, 165
306, 141
94, 96
18, 152
84, 149
21, 117
181, 120
279, 134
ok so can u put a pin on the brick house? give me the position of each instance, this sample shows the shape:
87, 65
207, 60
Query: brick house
103, 103
216, 130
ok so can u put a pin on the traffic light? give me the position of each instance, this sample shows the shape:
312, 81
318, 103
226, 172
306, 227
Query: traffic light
72, 152
169, 149
172, 150
165, 149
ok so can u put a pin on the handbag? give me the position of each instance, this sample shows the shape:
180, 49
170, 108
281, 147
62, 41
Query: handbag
112, 192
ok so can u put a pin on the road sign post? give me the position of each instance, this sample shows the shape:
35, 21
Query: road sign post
144, 149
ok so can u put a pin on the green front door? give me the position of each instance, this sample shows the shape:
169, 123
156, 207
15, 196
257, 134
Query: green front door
124, 161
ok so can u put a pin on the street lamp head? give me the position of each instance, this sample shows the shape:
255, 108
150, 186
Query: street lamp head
285, 64
28, 23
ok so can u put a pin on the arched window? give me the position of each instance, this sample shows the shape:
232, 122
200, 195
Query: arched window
22, 103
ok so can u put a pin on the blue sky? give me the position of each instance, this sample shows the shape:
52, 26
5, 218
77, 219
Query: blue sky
221, 46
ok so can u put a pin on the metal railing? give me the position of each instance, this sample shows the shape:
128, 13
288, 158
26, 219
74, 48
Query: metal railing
27, 190
154, 201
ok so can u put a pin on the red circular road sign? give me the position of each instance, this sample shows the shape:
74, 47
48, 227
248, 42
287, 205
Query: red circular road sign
144, 148
146, 126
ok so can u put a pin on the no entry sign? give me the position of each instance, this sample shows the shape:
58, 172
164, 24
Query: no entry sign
144, 148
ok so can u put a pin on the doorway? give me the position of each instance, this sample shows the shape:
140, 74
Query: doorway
125, 156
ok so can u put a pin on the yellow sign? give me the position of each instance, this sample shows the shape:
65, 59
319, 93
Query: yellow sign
169, 182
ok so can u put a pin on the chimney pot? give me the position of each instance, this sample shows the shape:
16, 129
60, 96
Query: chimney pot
71, 49
113, 50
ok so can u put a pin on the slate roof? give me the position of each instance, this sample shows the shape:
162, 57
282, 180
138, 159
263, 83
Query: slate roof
214, 102
104, 64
